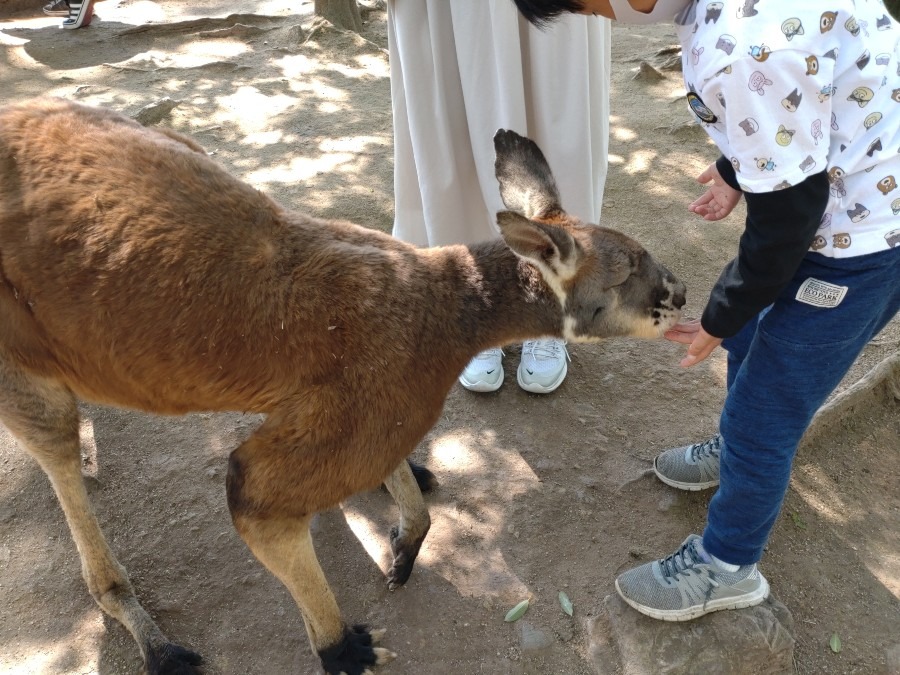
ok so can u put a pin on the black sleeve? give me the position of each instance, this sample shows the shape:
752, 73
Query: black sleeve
726, 170
780, 228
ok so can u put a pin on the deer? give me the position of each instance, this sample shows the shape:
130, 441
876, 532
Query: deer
136, 272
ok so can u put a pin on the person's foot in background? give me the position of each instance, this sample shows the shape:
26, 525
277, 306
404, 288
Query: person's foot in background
543, 366
80, 14
57, 8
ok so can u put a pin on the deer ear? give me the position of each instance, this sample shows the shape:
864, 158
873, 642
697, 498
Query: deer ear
549, 246
526, 182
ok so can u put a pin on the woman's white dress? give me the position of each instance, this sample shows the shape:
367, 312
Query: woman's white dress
460, 70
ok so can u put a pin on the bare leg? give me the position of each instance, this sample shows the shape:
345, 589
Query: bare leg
42, 415
407, 537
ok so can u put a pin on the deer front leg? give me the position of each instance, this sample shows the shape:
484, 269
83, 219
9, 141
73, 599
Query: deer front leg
408, 535
285, 547
260, 497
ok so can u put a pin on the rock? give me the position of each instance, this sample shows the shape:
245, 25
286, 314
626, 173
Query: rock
670, 58
756, 640
533, 638
296, 36
648, 73
154, 112
672, 63
880, 386
892, 659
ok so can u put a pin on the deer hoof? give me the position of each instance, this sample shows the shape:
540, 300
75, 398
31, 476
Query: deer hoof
355, 654
170, 659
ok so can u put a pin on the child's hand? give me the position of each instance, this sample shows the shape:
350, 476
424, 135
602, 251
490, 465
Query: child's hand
719, 200
691, 333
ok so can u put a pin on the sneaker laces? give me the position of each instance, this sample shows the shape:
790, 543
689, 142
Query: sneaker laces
487, 354
548, 348
682, 560
681, 563
708, 448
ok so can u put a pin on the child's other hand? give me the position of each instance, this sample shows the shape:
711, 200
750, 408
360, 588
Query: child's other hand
691, 333
719, 200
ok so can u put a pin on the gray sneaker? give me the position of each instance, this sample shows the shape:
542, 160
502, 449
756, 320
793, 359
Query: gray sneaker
690, 467
688, 584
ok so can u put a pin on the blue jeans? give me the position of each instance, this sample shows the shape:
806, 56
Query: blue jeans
781, 367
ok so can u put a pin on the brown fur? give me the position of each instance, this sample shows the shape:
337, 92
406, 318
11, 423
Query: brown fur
136, 272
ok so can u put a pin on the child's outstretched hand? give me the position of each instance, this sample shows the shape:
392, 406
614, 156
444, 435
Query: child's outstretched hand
719, 200
691, 333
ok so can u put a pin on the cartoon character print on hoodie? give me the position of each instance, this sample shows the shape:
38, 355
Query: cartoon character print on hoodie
788, 90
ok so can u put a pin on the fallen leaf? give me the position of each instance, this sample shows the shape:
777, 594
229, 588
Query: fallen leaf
517, 612
565, 603
835, 643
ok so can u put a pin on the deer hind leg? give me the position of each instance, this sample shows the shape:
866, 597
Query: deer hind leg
427, 481
43, 417
263, 496
407, 536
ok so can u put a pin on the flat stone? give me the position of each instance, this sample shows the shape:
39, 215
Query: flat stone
755, 640
892, 659
533, 638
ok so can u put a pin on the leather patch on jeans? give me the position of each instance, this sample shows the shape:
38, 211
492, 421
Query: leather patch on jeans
820, 293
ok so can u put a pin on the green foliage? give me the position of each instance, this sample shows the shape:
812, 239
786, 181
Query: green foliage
798, 521
835, 643
517, 612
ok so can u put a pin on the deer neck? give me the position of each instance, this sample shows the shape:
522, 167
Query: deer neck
498, 297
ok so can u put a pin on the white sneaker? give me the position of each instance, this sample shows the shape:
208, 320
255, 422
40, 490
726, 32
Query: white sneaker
485, 372
543, 366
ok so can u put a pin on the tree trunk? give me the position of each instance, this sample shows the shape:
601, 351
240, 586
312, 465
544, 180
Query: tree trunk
342, 13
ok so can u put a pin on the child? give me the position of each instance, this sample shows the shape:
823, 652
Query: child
803, 100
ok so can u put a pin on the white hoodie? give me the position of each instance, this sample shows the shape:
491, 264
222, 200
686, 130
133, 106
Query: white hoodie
787, 90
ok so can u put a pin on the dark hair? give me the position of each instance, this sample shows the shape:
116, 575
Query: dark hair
893, 6
543, 12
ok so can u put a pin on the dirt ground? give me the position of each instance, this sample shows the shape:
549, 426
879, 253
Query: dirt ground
538, 494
